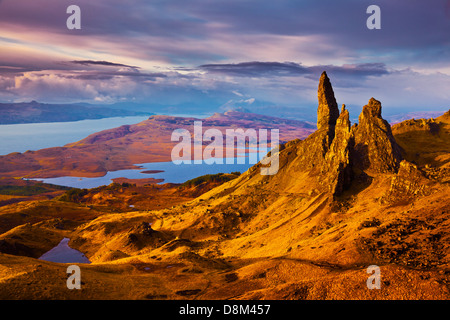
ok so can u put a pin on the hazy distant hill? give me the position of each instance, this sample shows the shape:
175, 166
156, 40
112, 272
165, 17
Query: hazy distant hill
413, 115
122, 147
35, 112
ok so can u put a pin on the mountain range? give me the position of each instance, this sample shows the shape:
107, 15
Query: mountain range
123, 147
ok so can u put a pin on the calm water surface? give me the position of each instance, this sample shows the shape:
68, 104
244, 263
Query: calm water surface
35, 136
64, 254
172, 173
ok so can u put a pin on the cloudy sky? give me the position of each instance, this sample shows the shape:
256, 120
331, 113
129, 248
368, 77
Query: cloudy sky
217, 53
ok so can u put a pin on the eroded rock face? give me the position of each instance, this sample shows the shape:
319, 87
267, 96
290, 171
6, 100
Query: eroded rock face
375, 147
143, 235
408, 183
313, 149
337, 153
427, 125
337, 171
327, 112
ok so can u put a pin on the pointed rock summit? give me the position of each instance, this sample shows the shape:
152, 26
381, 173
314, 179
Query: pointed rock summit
328, 111
375, 147
314, 148
338, 153
337, 170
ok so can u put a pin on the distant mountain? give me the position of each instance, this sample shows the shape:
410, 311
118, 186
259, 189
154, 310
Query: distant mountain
302, 112
35, 112
393, 119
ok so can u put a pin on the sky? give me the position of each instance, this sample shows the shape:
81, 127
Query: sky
218, 54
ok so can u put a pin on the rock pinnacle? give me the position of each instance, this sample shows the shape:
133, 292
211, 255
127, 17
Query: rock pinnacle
327, 112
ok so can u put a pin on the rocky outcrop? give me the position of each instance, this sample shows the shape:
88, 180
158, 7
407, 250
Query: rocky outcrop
142, 235
375, 147
313, 149
426, 125
337, 153
327, 112
408, 183
327, 152
337, 171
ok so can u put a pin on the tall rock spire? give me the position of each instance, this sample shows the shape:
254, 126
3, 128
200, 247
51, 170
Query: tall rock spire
313, 149
338, 154
337, 172
327, 112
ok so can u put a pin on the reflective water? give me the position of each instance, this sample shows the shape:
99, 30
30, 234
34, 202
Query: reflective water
64, 254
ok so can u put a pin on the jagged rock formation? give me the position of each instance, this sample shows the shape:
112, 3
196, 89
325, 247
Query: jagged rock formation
315, 146
408, 183
337, 169
336, 153
375, 147
327, 112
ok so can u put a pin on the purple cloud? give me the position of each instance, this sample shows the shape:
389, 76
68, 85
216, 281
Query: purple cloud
269, 51
257, 69
289, 69
101, 63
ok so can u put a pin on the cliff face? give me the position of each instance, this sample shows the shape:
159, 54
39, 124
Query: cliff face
425, 141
